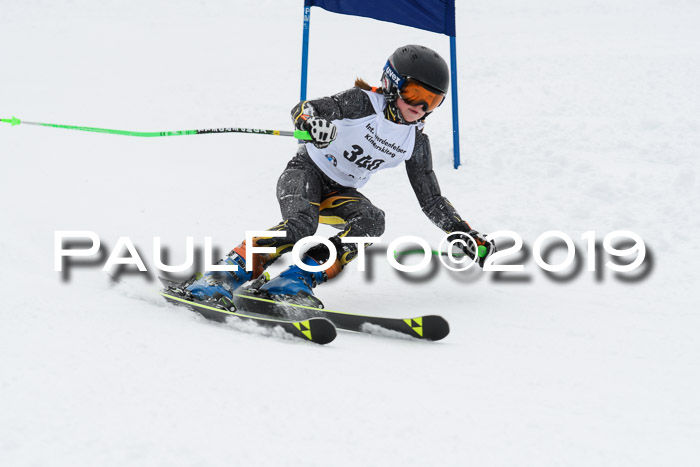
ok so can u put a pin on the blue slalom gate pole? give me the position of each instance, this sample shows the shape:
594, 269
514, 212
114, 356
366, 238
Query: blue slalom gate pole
455, 100
305, 51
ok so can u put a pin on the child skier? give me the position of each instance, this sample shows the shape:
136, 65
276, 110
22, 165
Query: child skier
354, 134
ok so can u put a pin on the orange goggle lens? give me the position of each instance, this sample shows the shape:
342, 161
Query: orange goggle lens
413, 93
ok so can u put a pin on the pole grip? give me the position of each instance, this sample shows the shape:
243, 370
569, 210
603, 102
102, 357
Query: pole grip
300, 134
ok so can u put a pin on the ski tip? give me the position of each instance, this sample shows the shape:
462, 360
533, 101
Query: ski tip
321, 331
431, 327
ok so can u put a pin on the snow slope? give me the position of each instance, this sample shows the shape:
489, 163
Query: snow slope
577, 116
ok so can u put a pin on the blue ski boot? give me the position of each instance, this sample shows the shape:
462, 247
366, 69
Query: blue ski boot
295, 284
224, 283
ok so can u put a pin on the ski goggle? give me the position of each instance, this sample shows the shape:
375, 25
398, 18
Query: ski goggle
412, 91
415, 93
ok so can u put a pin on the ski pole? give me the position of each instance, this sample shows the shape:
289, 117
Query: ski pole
481, 253
298, 134
434, 252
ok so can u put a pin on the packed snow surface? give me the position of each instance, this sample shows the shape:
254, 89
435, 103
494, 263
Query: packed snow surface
575, 116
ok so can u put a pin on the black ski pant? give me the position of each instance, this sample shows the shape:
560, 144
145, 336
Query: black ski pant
308, 197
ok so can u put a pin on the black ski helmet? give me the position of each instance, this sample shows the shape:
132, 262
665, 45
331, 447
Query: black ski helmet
417, 62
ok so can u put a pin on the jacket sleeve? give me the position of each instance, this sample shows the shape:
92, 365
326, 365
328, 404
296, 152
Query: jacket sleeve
425, 185
352, 103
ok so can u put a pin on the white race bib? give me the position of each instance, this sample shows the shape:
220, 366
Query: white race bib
365, 145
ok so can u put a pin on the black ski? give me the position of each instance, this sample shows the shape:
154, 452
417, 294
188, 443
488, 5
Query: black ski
430, 327
319, 330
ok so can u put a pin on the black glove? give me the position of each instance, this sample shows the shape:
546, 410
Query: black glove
471, 248
321, 130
